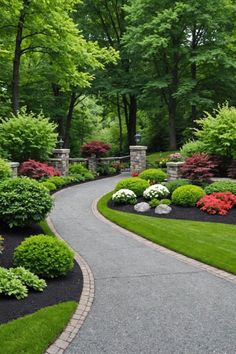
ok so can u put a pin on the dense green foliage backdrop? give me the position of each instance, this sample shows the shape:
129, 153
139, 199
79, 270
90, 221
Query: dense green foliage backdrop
106, 69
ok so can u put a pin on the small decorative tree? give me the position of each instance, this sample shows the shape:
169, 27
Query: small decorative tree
198, 168
97, 148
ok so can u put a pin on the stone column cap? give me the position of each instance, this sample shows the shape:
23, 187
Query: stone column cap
175, 163
14, 164
138, 147
62, 151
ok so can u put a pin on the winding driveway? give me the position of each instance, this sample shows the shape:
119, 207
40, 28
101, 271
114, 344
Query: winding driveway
145, 301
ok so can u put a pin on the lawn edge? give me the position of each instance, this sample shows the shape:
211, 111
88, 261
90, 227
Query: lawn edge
182, 258
87, 296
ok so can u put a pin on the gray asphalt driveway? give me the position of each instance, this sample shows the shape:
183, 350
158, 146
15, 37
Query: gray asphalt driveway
145, 301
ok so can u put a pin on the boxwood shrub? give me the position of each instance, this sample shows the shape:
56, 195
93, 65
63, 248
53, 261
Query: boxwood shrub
153, 175
45, 256
187, 195
135, 184
172, 185
221, 186
23, 201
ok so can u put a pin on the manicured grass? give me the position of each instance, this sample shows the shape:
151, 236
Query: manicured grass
32, 334
211, 243
158, 155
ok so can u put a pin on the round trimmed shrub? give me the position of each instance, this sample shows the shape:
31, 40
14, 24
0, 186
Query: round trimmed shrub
192, 147
156, 191
187, 195
5, 169
23, 201
153, 175
124, 196
173, 185
135, 184
49, 185
221, 186
45, 256
28, 136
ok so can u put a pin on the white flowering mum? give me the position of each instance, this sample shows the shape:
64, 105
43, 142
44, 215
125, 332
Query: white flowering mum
124, 196
156, 191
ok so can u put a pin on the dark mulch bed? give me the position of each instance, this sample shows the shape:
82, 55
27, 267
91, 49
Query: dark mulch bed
58, 290
181, 213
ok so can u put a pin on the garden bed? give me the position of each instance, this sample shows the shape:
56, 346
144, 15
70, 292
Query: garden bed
180, 213
58, 290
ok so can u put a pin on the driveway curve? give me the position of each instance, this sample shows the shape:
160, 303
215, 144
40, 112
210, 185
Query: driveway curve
145, 301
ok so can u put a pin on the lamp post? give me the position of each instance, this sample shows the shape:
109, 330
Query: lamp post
137, 138
60, 143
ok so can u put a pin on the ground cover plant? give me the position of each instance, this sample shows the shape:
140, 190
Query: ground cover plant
211, 243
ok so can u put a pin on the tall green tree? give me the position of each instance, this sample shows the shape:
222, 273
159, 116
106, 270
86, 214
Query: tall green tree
183, 46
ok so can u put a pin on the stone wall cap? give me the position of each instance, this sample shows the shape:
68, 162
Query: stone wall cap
138, 147
62, 151
14, 164
177, 163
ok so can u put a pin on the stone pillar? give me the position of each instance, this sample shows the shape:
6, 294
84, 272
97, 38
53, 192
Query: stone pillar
60, 160
14, 167
174, 170
137, 158
92, 163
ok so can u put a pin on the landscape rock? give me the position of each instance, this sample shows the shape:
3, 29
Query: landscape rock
142, 207
163, 209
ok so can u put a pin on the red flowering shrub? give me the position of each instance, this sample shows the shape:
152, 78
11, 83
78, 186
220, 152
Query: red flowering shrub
217, 203
95, 147
135, 174
198, 167
37, 170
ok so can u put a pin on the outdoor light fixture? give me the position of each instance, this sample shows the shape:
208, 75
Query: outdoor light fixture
137, 138
60, 143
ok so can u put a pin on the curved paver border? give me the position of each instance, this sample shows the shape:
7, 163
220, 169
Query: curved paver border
83, 308
217, 272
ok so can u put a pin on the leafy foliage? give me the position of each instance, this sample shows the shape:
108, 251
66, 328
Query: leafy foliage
198, 168
35, 169
14, 282
45, 256
221, 186
187, 195
218, 132
153, 175
49, 185
217, 203
5, 169
155, 202
135, 184
22, 201
172, 185
95, 147
28, 136
192, 147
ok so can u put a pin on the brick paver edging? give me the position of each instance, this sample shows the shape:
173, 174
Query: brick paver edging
217, 272
83, 308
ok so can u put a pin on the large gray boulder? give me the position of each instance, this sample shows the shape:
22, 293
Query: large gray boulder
163, 209
142, 207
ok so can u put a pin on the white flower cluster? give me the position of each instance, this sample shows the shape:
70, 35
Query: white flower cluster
156, 191
124, 196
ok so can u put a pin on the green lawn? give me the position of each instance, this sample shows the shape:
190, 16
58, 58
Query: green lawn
32, 334
158, 155
211, 243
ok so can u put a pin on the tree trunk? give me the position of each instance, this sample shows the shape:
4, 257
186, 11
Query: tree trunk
69, 118
194, 72
17, 57
172, 106
172, 130
120, 125
132, 120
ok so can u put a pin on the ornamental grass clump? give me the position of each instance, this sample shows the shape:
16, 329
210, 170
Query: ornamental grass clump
217, 203
187, 196
157, 191
23, 201
153, 175
124, 196
135, 184
45, 256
